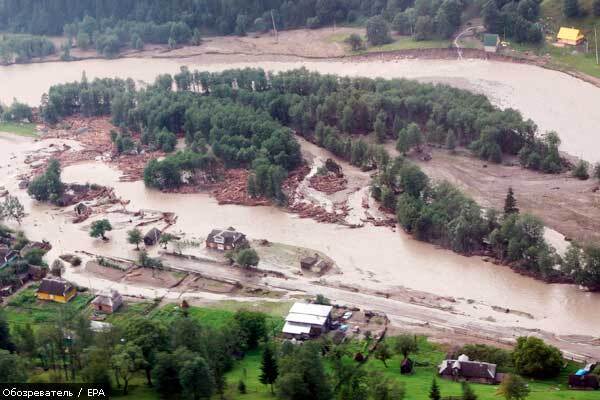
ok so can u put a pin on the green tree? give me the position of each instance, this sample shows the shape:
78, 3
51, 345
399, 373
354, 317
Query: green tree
252, 325
513, 387
355, 42
48, 186
83, 40
150, 336
413, 180
451, 140
596, 8
380, 127
510, 203
467, 392
378, 31
12, 368
6, 342
383, 353
571, 8
597, 165
434, 391
99, 228
532, 357
268, 368
24, 339
491, 16
196, 379
424, 28
12, 208
57, 267
302, 375
166, 238
127, 360
406, 344
581, 170
589, 274
247, 258
134, 236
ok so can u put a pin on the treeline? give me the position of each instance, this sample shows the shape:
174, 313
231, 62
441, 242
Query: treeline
22, 48
218, 16
108, 37
517, 20
16, 112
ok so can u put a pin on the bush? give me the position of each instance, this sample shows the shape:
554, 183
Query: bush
533, 358
378, 31
581, 170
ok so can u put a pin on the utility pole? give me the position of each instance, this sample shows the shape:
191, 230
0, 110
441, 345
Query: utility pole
274, 27
596, 44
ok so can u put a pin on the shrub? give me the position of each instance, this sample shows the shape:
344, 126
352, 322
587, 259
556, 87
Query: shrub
581, 170
534, 358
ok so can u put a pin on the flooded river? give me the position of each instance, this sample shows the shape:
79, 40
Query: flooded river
373, 257
555, 101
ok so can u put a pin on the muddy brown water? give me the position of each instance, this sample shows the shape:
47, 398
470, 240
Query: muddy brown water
373, 257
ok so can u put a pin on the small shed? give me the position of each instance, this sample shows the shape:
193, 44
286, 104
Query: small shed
491, 42
108, 303
152, 237
570, 36
406, 366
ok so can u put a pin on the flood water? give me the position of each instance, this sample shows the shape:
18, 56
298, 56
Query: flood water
374, 257
555, 101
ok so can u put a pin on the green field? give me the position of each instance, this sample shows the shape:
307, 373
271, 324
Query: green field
399, 43
18, 128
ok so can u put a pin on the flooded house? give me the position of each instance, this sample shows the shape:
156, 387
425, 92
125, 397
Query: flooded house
152, 237
225, 239
108, 303
491, 42
56, 289
464, 369
306, 321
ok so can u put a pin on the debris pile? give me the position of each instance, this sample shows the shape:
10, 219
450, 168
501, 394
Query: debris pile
318, 213
233, 189
329, 183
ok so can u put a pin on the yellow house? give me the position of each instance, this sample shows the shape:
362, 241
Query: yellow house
570, 36
56, 289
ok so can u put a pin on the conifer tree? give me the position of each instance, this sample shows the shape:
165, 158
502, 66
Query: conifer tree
510, 203
269, 370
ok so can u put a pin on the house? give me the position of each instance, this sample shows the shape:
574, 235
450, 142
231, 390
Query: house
152, 237
306, 321
56, 289
570, 36
491, 42
464, 369
108, 303
584, 379
225, 239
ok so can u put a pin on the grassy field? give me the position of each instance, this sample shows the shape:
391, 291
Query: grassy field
417, 385
18, 128
399, 43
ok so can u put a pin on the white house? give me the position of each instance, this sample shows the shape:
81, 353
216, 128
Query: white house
307, 320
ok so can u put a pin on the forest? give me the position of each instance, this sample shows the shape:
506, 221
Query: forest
109, 25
